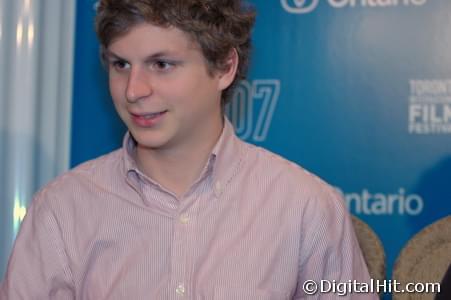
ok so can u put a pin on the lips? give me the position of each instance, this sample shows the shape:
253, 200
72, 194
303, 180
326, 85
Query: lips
151, 115
147, 119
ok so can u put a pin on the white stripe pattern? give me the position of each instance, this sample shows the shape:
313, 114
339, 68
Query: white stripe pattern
254, 226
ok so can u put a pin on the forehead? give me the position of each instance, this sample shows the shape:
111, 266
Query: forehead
145, 37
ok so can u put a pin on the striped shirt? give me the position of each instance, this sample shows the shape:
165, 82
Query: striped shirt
253, 226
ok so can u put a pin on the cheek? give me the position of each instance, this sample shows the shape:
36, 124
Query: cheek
117, 89
198, 86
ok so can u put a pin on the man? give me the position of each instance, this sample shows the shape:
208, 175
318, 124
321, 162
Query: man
185, 209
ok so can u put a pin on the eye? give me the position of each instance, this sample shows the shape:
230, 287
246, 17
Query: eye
161, 65
120, 65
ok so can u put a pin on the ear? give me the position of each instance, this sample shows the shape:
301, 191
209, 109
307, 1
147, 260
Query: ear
227, 76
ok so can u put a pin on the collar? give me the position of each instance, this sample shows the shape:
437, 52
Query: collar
225, 159
228, 153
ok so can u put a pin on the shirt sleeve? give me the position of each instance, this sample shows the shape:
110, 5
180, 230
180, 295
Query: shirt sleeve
329, 252
38, 268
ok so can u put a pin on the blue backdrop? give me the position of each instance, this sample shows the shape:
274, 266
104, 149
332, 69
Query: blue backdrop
356, 91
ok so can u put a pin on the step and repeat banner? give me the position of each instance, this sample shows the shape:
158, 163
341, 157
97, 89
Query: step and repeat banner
355, 91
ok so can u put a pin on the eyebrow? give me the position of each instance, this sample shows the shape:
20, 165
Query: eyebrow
111, 55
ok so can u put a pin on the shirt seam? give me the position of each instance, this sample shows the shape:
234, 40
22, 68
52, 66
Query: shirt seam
59, 248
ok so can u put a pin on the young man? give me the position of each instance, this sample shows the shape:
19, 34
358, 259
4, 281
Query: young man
185, 209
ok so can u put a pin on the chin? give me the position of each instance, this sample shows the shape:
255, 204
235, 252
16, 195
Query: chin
150, 140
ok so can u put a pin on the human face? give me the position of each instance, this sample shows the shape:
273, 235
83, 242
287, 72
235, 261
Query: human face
162, 89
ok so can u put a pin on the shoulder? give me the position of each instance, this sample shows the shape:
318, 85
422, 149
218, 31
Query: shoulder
93, 174
272, 165
291, 181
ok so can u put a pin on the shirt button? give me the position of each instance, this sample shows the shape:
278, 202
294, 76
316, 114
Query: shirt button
180, 290
218, 188
184, 219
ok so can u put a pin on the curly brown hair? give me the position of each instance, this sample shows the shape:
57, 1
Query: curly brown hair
218, 26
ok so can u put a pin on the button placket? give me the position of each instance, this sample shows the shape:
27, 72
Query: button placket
184, 237
181, 259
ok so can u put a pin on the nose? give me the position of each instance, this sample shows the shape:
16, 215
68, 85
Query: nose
138, 86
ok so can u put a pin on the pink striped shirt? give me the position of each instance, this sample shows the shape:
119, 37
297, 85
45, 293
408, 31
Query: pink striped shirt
253, 226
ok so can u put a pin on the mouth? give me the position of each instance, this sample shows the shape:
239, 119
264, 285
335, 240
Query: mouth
149, 115
148, 119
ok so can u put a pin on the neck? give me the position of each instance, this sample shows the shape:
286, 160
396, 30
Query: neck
177, 168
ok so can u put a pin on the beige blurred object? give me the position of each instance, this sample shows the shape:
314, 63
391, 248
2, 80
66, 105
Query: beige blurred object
424, 259
372, 248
